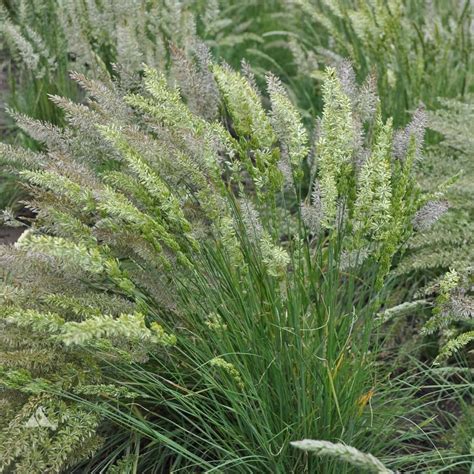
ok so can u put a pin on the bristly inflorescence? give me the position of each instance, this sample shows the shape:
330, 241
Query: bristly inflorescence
353, 456
416, 129
429, 214
453, 312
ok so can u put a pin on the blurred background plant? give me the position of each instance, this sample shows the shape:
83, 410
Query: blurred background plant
449, 243
446, 248
418, 51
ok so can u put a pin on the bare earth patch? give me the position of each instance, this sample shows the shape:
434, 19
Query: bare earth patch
9, 235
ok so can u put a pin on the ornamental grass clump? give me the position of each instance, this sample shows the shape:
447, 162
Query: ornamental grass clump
193, 293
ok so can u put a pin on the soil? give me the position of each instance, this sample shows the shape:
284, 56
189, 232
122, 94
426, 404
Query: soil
9, 235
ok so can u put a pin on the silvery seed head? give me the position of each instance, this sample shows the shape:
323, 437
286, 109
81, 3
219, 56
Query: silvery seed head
429, 214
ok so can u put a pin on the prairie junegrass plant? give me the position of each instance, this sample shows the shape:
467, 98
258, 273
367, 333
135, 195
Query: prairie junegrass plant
182, 301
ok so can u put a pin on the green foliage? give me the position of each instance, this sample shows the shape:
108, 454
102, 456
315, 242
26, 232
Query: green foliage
49, 435
464, 432
169, 265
